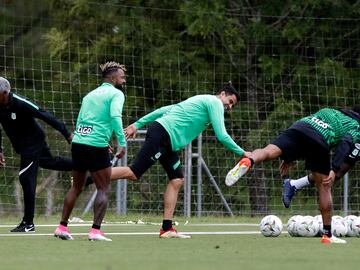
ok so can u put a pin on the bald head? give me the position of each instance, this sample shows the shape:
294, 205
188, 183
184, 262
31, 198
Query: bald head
4, 91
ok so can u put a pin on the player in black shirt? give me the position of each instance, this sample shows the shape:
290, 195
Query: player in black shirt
17, 117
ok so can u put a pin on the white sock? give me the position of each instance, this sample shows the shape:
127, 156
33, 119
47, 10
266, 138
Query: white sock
300, 183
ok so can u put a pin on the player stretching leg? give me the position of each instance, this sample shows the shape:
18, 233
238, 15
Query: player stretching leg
173, 127
311, 139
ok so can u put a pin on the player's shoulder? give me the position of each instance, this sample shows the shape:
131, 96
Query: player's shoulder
21, 101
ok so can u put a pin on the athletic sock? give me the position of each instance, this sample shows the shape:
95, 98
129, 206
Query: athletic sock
167, 224
64, 223
327, 230
97, 227
301, 182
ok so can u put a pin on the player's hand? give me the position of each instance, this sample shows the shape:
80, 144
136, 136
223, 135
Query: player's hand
121, 152
2, 159
130, 131
284, 167
247, 154
329, 180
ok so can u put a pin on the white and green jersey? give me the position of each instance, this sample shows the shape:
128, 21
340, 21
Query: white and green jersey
184, 121
100, 115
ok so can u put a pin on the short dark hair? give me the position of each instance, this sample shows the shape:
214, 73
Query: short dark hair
109, 68
229, 90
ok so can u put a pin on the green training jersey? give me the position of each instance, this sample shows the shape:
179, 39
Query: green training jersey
100, 115
333, 125
184, 121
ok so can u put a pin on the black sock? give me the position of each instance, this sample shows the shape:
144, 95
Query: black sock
167, 224
64, 223
327, 230
97, 227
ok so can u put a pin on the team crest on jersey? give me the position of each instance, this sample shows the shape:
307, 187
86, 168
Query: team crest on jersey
356, 151
13, 116
84, 130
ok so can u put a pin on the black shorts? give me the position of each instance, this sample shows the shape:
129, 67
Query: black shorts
295, 145
89, 158
157, 146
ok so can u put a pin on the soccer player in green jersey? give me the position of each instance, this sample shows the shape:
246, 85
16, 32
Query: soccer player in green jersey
100, 115
346, 155
172, 128
311, 138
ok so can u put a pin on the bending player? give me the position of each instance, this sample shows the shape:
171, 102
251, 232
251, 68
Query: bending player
311, 139
346, 149
172, 128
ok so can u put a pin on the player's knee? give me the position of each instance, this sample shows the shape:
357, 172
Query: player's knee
177, 182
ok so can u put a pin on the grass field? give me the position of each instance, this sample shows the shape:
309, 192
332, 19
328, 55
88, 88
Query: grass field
138, 247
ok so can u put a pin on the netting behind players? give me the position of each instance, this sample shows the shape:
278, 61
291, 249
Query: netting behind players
284, 67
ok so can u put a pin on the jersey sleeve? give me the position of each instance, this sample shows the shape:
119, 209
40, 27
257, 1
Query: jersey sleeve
343, 149
116, 108
151, 117
216, 115
45, 116
347, 153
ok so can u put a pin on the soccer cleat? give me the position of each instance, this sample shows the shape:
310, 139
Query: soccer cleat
63, 233
24, 227
289, 192
172, 233
238, 171
97, 235
332, 240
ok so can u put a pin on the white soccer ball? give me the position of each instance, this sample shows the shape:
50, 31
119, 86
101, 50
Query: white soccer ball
319, 221
336, 217
339, 227
356, 226
307, 227
271, 226
349, 221
291, 225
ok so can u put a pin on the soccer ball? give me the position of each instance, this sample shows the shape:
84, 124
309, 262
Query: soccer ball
349, 221
291, 225
271, 226
307, 226
319, 220
339, 227
356, 226
336, 217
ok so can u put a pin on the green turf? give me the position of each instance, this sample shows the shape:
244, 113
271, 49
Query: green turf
221, 252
